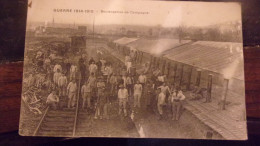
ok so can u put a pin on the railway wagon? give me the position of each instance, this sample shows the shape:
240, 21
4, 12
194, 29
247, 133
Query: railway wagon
215, 66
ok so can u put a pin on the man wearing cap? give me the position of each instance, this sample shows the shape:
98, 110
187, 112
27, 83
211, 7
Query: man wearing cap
142, 79
91, 60
161, 78
164, 88
128, 64
148, 91
47, 63
92, 82
103, 64
82, 67
86, 95
129, 84
176, 99
113, 84
72, 91
73, 71
62, 84
101, 100
56, 77
161, 103
132, 55
108, 70
124, 80
138, 88
57, 67
93, 68
122, 98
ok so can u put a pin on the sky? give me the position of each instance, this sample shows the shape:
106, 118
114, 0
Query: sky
164, 13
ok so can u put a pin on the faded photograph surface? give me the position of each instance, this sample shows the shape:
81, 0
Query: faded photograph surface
139, 69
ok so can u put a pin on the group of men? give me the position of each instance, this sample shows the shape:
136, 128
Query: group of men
100, 82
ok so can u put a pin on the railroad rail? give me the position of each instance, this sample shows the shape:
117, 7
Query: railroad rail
67, 122
61, 122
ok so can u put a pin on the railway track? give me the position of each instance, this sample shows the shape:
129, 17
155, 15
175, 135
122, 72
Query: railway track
77, 122
61, 122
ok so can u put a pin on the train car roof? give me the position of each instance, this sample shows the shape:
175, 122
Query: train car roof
222, 57
156, 47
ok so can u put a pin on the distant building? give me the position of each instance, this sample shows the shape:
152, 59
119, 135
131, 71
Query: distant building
58, 30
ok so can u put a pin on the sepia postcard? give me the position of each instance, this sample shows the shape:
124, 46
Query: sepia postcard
134, 69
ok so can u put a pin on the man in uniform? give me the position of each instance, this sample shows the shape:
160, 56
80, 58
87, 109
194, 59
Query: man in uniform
93, 68
138, 88
122, 99
108, 71
56, 77
92, 82
62, 84
164, 89
86, 95
91, 60
73, 71
47, 63
161, 79
176, 100
82, 68
72, 91
101, 100
129, 84
128, 64
113, 84
142, 79
57, 67
148, 91
161, 103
